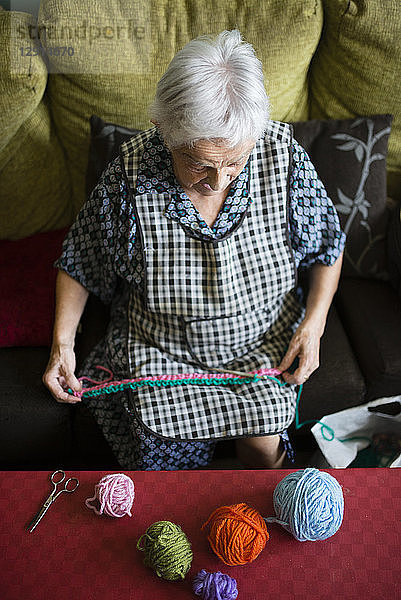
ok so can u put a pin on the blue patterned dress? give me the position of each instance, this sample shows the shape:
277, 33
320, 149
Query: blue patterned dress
102, 252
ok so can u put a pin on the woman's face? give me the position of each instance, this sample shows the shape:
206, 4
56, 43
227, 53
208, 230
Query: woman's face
209, 168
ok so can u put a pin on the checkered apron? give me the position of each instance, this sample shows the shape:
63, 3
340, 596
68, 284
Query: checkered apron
226, 304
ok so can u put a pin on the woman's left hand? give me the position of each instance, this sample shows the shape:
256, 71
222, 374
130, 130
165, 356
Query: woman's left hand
304, 345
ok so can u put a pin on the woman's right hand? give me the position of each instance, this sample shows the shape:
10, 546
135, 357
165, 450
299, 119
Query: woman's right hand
71, 298
59, 374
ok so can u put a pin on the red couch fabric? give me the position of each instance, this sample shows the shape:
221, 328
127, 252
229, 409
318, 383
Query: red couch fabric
27, 285
75, 554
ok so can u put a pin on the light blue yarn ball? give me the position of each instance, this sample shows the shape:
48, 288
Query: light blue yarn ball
309, 504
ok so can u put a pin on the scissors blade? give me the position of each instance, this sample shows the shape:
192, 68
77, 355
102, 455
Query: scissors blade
40, 514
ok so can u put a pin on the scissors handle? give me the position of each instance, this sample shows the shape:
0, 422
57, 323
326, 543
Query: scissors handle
53, 496
65, 488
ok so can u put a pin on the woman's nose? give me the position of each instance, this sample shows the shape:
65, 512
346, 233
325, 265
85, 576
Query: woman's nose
218, 179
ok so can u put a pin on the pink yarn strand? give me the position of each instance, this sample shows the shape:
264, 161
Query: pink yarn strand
84, 378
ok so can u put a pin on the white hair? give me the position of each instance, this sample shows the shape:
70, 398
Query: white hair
213, 89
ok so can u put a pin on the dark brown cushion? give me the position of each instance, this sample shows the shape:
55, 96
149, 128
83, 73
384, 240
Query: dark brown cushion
104, 143
394, 249
35, 430
371, 313
338, 383
350, 158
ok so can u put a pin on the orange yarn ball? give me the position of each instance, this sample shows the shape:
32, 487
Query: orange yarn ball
238, 534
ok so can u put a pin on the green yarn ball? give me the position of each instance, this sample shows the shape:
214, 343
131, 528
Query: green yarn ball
167, 550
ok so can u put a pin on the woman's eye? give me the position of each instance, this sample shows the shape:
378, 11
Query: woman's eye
199, 169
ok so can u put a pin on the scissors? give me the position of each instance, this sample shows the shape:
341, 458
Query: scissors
56, 480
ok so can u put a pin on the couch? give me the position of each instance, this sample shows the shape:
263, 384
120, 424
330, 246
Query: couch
332, 69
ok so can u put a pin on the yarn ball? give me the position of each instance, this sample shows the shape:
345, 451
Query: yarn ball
167, 550
238, 533
309, 504
114, 495
215, 586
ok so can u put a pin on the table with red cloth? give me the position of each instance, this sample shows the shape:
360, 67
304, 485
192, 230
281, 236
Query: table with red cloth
74, 554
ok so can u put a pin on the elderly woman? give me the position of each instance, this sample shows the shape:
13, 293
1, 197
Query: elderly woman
194, 234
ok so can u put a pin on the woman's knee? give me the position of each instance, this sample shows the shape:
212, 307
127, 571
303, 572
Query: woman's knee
261, 452
267, 443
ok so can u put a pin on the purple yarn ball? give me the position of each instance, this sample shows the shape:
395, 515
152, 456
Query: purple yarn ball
215, 586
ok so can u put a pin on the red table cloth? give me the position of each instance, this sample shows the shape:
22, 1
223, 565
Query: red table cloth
74, 554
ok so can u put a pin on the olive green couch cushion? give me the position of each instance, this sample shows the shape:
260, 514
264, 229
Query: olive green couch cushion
35, 191
22, 78
357, 69
120, 50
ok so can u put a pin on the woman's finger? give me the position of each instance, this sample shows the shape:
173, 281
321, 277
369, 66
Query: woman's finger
305, 347
70, 381
289, 357
308, 363
58, 392
58, 384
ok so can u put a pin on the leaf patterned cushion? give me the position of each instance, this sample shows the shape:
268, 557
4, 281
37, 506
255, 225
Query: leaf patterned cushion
350, 158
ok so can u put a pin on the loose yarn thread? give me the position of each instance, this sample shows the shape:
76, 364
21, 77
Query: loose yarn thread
167, 550
115, 494
238, 533
215, 586
309, 504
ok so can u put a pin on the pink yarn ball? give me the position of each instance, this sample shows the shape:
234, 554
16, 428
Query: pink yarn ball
115, 493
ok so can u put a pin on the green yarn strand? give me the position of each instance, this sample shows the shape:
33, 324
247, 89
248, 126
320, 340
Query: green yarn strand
112, 389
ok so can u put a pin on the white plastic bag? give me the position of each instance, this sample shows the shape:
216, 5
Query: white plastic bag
351, 424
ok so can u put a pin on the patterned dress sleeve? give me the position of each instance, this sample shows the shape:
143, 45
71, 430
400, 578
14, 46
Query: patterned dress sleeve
94, 245
315, 231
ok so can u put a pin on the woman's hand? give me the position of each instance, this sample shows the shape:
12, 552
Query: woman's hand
59, 374
304, 345
71, 298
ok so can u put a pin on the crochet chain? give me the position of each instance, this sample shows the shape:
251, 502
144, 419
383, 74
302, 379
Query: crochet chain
108, 386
